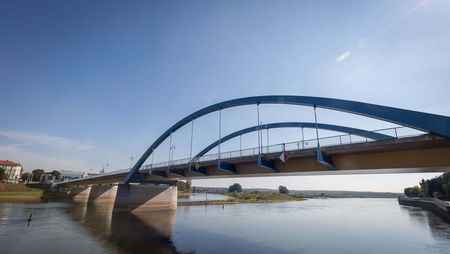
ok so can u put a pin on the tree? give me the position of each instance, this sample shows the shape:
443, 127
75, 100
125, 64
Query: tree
56, 174
184, 186
446, 185
235, 188
413, 191
37, 174
3, 175
25, 176
189, 185
283, 189
416, 192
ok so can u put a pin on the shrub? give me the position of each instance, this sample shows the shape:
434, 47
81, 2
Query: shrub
235, 188
283, 189
413, 191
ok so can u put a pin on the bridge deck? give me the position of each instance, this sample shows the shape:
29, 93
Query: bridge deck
424, 153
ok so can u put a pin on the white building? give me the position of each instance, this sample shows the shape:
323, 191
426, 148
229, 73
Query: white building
12, 170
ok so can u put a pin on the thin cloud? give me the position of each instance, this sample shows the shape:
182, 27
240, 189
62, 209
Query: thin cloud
51, 141
211, 97
42, 150
342, 57
394, 21
363, 43
31, 160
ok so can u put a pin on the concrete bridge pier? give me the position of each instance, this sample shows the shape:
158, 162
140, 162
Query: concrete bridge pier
101, 194
80, 194
146, 197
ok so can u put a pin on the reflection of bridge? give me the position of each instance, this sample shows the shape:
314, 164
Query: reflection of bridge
420, 144
131, 233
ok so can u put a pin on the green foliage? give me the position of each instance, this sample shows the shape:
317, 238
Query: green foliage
235, 188
3, 175
184, 186
413, 191
435, 185
56, 174
439, 186
446, 184
437, 194
256, 196
283, 189
37, 173
25, 176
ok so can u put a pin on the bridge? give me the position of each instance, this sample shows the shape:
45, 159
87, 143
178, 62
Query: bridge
420, 143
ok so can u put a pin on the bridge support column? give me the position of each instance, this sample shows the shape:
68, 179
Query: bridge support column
103, 193
146, 197
80, 194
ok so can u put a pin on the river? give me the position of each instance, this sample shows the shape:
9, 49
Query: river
311, 226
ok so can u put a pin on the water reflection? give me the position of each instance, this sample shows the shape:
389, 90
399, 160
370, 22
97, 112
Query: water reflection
350, 226
131, 233
437, 226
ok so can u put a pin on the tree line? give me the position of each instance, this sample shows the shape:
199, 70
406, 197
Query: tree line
438, 187
36, 175
236, 187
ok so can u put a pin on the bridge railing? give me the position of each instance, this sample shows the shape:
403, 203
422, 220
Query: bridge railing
394, 133
343, 139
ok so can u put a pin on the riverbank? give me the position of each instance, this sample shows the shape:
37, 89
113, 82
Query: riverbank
182, 194
241, 198
263, 197
435, 205
18, 192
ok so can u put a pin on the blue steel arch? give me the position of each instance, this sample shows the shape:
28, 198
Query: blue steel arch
339, 128
430, 123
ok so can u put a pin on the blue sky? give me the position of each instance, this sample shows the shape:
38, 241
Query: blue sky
85, 83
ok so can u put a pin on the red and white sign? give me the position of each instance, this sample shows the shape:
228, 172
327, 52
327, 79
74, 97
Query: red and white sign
284, 155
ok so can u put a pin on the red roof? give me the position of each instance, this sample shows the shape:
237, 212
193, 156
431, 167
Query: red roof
8, 163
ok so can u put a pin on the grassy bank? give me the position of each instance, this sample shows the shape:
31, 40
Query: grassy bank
263, 197
38, 193
15, 190
182, 194
248, 197
22, 191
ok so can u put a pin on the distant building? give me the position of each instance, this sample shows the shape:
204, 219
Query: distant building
67, 175
47, 178
12, 170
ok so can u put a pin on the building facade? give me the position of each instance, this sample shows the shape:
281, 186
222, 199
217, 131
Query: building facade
12, 170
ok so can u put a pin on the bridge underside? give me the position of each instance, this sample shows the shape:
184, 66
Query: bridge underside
426, 153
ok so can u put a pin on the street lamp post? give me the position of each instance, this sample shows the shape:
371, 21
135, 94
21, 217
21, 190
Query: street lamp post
131, 161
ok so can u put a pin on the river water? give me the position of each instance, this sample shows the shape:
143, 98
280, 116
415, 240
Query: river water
311, 226
203, 197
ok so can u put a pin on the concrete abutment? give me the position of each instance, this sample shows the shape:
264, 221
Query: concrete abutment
128, 197
145, 197
80, 194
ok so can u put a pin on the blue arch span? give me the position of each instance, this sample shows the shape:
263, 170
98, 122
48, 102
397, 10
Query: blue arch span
339, 128
431, 123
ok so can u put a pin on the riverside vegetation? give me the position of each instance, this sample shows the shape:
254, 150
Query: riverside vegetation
237, 196
261, 197
12, 192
